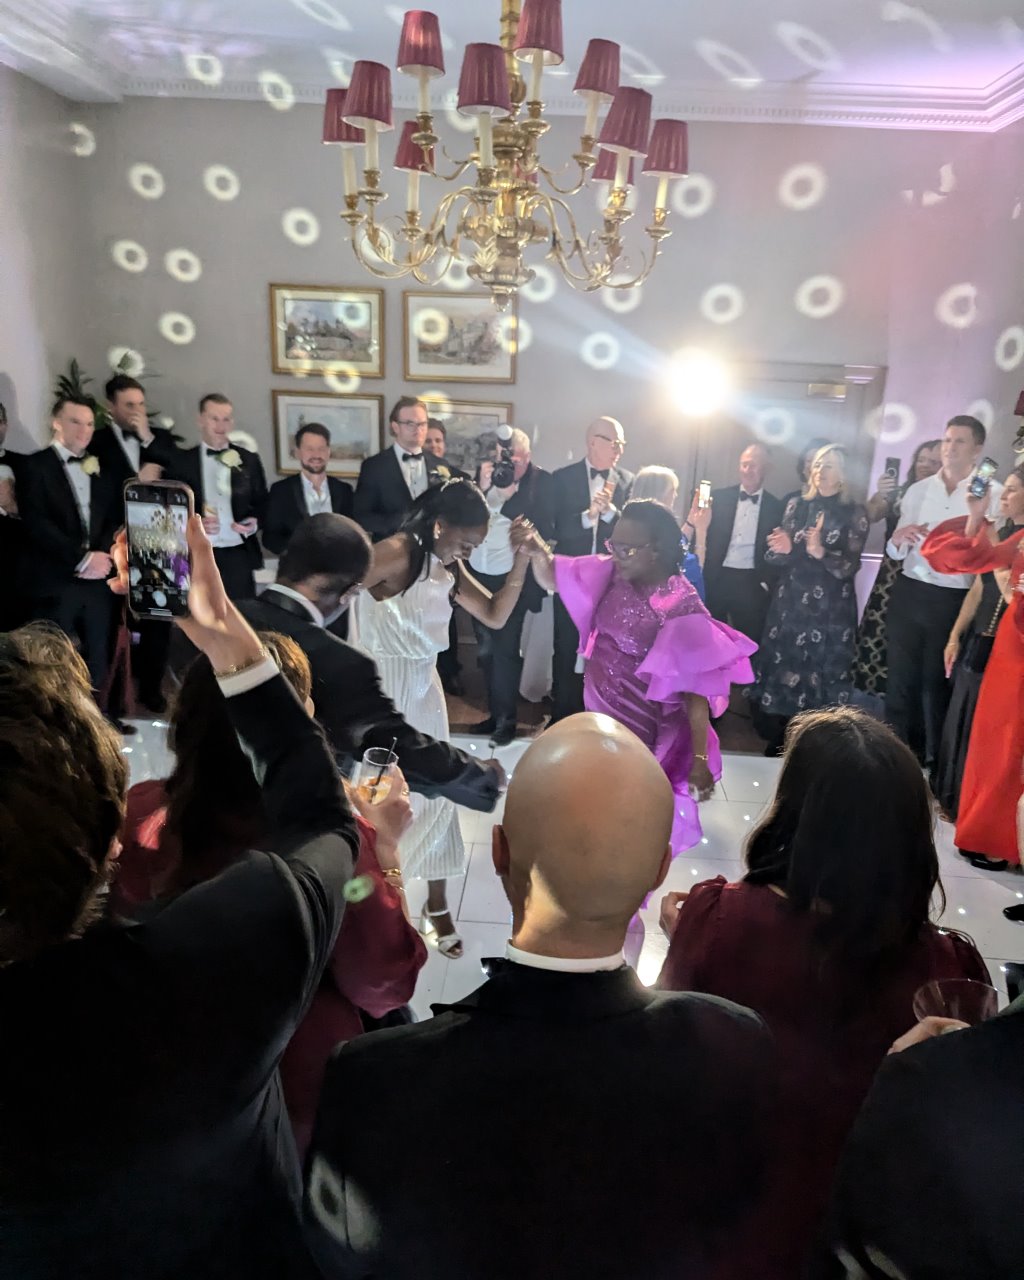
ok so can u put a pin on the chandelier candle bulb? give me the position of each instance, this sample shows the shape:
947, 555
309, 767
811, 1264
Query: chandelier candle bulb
622, 164
590, 126
412, 203
372, 148
535, 75
349, 171
661, 199
486, 140
424, 94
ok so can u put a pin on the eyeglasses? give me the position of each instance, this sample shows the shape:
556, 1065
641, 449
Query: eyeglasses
621, 552
619, 444
407, 422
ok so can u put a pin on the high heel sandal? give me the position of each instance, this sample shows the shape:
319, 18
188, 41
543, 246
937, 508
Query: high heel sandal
448, 944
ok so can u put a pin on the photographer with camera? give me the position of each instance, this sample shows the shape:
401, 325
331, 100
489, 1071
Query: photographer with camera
513, 486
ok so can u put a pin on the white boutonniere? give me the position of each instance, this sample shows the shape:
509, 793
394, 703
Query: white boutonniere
91, 465
231, 458
443, 472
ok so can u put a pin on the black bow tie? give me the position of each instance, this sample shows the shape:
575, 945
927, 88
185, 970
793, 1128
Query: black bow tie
215, 453
412, 457
755, 498
595, 472
72, 458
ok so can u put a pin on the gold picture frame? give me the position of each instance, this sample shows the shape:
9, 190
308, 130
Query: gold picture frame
356, 424
327, 329
471, 427
458, 337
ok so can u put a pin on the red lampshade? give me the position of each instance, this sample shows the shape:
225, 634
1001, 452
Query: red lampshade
419, 47
540, 31
599, 72
628, 123
369, 96
668, 155
1019, 411
335, 128
409, 155
483, 84
604, 170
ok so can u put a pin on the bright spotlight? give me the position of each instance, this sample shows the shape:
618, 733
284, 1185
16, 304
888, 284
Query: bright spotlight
699, 382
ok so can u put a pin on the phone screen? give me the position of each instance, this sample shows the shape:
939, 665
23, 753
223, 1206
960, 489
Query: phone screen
159, 570
892, 467
982, 479
704, 495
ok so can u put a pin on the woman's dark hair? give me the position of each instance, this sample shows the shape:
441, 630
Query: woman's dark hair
849, 837
458, 503
214, 803
912, 469
62, 788
662, 529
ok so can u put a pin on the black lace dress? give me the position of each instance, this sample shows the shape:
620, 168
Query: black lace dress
810, 637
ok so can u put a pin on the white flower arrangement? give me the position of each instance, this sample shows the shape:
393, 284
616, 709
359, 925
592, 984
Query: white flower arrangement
91, 464
230, 458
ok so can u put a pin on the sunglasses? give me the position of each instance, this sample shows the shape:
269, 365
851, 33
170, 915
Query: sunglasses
621, 552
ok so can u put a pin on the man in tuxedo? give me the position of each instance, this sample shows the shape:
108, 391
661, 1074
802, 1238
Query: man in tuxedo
931, 1183
390, 481
318, 573
437, 444
14, 606
230, 493
528, 495
310, 493
568, 1148
738, 580
587, 498
72, 509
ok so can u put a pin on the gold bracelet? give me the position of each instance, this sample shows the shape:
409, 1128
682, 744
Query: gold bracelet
698, 756
245, 666
391, 873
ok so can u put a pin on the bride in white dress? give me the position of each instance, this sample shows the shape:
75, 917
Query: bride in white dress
401, 620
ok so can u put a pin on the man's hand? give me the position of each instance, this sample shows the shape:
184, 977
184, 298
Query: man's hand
98, 565
211, 526
498, 768
486, 472
669, 915
927, 1029
8, 500
245, 527
910, 535
150, 473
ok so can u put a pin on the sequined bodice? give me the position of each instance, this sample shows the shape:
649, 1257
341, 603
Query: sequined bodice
629, 617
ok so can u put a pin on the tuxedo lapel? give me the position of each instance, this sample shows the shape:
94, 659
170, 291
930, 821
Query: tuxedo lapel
299, 494
192, 474
64, 493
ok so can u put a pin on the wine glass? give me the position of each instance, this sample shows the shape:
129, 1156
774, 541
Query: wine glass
961, 998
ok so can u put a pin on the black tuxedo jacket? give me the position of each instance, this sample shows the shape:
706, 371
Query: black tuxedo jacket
356, 713
286, 509
723, 516
570, 1149
57, 538
114, 460
932, 1178
382, 497
248, 488
571, 497
13, 544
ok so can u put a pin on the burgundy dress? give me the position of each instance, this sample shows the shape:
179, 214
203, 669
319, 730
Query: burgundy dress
744, 942
373, 967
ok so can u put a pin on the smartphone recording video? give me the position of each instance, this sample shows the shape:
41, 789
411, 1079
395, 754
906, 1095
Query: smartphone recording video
981, 481
704, 495
159, 569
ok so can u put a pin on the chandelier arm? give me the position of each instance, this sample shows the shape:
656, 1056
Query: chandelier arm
566, 191
460, 167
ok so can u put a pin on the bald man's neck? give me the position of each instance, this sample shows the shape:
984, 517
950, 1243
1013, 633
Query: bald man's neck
569, 943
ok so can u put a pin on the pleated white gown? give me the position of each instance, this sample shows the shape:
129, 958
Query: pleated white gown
404, 635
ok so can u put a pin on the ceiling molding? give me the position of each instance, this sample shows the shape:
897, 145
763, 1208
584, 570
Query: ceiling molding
37, 41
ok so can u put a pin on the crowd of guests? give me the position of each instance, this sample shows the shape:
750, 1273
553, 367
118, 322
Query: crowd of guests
180, 961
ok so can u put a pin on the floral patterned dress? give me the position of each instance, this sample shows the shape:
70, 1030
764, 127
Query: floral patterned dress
811, 633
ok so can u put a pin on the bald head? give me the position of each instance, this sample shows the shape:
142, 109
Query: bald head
586, 831
605, 442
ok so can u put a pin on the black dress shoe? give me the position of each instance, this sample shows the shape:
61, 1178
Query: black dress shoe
504, 733
482, 728
986, 864
123, 727
453, 685
154, 702
1015, 913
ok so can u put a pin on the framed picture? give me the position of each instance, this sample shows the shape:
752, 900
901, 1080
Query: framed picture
322, 329
472, 429
356, 424
458, 337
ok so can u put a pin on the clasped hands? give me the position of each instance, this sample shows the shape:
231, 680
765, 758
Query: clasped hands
781, 543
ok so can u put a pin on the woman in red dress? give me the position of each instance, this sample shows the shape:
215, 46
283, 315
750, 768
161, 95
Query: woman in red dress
987, 818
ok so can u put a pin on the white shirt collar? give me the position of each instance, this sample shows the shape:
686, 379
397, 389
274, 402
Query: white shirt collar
314, 613
399, 450
556, 964
756, 494
63, 452
308, 484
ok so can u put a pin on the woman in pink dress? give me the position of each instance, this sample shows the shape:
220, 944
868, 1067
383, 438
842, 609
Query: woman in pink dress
656, 661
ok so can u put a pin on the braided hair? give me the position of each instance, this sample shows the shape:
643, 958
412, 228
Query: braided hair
457, 502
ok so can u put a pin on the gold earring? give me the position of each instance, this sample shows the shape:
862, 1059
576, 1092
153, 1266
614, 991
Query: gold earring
437, 532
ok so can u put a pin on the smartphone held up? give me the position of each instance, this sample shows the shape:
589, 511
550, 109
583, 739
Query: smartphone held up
704, 495
981, 481
159, 567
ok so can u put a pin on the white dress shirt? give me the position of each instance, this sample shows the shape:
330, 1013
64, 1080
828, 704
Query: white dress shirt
597, 483
131, 446
743, 543
217, 494
317, 502
929, 502
315, 615
556, 964
495, 554
5, 474
81, 484
414, 471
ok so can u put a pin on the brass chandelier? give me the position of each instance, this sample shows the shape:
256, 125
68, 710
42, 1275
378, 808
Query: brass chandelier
488, 221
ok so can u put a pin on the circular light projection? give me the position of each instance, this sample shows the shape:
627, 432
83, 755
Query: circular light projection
177, 328
457, 276
83, 139
1010, 348
601, 350
207, 68
820, 296
301, 227
729, 63
693, 195
430, 325
277, 90
343, 381
638, 68
323, 12
983, 410
699, 382
891, 423
129, 255
340, 65
438, 400
183, 265
722, 304
802, 186
126, 360
147, 181
543, 285
958, 306
221, 182
622, 301
165, 420
459, 122
514, 333
774, 426
805, 44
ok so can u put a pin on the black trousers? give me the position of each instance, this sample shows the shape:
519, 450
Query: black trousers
84, 611
736, 597
235, 565
500, 655
566, 681
149, 661
918, 624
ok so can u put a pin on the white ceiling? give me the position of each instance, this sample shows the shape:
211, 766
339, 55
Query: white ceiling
952, 64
